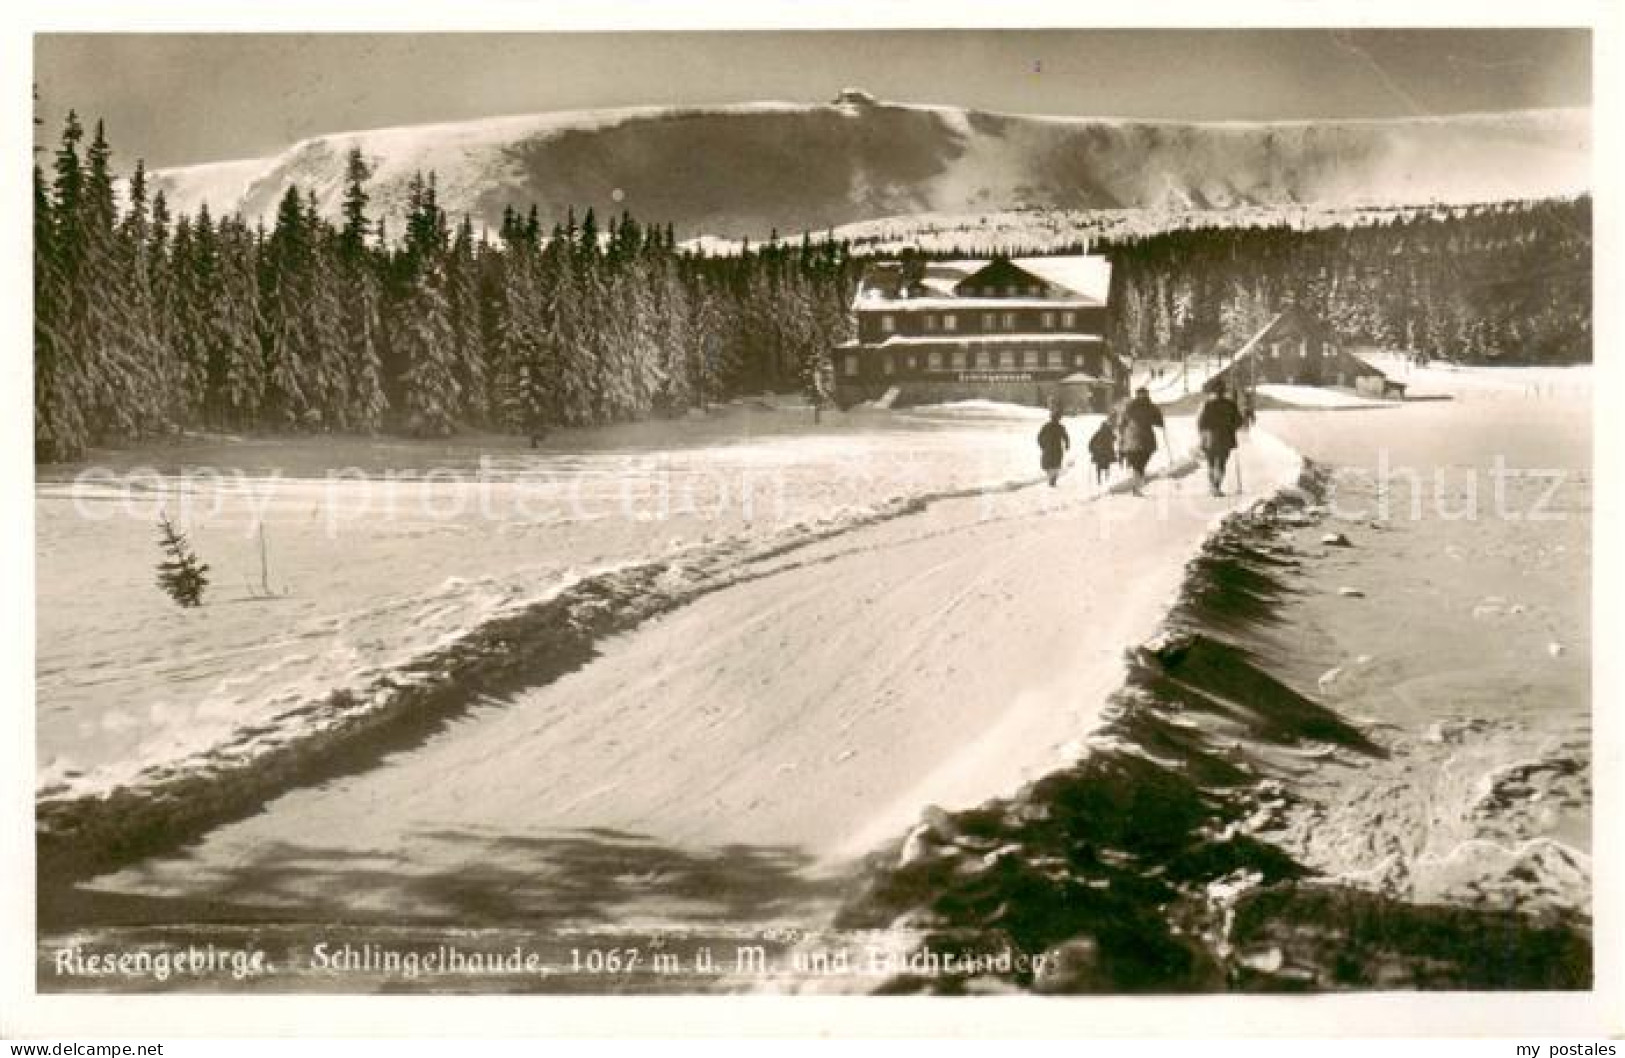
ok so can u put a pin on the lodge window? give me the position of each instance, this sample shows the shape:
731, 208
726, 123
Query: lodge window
1078, 360
959, 359
888, 323
1007, 358
984, 358
930, 322
1056, 359
851, 364
1029, 358
1009, 292
1275, 351
1047, 320
909, 362
933, 360
990, 321
1069, 319
1009, 321
950, 322
1303, 348
887, 366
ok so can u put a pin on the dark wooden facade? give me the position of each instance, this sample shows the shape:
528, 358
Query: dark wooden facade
1296, 348
961, 329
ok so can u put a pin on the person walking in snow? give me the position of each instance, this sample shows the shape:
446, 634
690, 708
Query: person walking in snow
1103, 450
1137, 435
1053, 442
1216, 426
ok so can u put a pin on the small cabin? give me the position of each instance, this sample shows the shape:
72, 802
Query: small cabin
1297, 348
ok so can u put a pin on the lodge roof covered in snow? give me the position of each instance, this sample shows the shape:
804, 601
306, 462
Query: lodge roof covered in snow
903, 341
1002, 282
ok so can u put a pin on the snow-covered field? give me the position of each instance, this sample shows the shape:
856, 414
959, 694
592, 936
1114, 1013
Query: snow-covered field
369, 567
1476, 382
327, 580
906, 620
942, 656
1317, 397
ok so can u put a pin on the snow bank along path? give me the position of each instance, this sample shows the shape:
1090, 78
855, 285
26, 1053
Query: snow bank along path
940, 658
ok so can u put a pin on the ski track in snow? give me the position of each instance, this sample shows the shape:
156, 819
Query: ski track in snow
817, 698
134, 684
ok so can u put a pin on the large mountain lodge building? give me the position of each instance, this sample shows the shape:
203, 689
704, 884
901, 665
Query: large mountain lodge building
1028, 331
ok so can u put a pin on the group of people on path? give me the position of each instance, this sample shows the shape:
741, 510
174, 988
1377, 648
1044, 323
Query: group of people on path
1129, 436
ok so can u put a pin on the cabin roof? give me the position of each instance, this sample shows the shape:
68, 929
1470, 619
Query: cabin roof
1073, 281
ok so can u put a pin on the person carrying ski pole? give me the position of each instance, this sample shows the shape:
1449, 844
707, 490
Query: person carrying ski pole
1216, 426
1138, 435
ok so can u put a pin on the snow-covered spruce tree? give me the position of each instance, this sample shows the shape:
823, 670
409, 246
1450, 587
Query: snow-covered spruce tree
47, 294
303, 320
140, 262
524, 402
424, 341
180, 574
353, 233
96, 372
187, 271
676, 340
709, 363
60, 431
569, 359
802, 335
114, 324
428, 235
366, 403
360, 292
326, 331
468, 352
586, 239
629, 337
237, 371
421, 339
184, 366
284, 263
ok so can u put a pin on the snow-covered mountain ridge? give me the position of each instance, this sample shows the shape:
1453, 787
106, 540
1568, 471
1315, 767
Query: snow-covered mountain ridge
747, 169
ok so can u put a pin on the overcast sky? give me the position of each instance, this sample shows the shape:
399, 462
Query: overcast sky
176, 99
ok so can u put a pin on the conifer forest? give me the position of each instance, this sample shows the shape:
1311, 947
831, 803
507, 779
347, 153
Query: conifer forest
147, 323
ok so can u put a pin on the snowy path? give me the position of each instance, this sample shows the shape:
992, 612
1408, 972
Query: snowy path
941, 658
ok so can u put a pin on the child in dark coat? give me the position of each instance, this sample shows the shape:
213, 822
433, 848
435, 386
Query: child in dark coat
1103, 451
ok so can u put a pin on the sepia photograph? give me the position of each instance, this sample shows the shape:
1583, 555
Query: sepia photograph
974, 512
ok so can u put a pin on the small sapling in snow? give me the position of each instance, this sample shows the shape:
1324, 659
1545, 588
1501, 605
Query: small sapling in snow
180, 574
